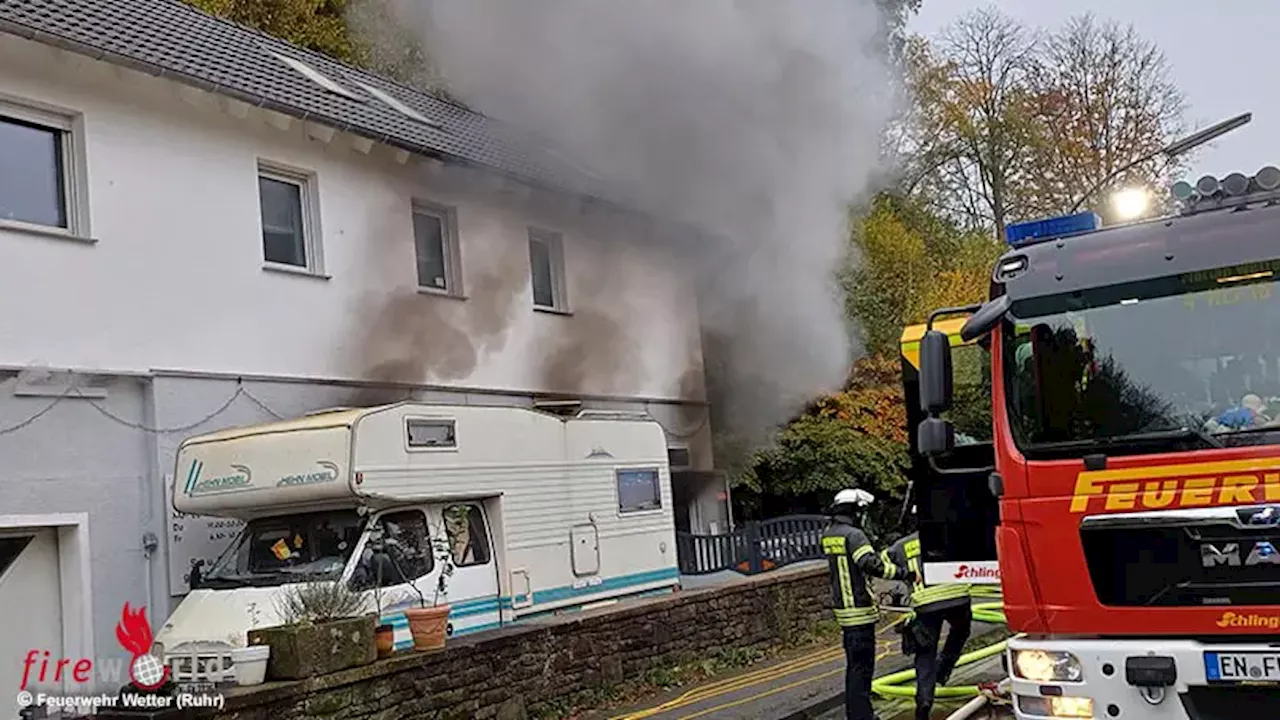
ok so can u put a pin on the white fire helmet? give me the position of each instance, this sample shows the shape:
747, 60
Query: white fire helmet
854, 496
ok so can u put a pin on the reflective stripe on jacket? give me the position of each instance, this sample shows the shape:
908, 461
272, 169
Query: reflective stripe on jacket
924, 598
852, 563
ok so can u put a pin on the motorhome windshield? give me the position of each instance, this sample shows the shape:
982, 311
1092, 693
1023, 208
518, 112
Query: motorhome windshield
277, 550
1185, 362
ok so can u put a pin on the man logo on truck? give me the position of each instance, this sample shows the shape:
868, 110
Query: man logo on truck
1263, 553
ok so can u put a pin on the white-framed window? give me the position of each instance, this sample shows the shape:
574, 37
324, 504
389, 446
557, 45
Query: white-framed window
546, 269
290, 219
639, 490
40, 158
435, 248
430, 434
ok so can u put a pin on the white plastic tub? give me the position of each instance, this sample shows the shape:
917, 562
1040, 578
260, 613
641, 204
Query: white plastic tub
251, 664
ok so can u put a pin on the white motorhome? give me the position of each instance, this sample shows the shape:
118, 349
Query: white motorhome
546, 513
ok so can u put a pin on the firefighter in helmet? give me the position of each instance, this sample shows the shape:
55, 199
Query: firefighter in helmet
931, 606
853, 562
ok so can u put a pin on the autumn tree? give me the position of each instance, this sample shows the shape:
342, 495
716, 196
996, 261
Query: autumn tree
854, 438
909, 261
972, 130
364, 33
1105, 97
319, 25
1010, 123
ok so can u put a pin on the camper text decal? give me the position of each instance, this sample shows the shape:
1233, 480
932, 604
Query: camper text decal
327, 473
241, 478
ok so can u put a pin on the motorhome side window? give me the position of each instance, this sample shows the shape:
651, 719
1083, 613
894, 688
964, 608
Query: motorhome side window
423, 433
468, 539
638, 490
398, 551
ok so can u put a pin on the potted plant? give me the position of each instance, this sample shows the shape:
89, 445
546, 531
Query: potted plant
326, 627
429, 625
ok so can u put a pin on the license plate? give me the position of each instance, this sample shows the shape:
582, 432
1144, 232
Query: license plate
1242, 667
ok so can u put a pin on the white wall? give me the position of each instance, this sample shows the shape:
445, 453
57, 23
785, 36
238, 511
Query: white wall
175, 278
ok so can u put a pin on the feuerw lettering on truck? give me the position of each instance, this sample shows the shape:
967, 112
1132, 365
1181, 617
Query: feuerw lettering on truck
242, 478
1207, 484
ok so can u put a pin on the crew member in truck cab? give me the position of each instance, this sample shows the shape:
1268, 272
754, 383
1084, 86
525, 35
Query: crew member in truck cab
853, 562
931, 606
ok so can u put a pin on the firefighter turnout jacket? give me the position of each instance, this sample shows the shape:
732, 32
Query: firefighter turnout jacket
853, 562
906, 553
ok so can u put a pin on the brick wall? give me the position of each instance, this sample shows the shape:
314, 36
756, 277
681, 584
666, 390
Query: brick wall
524, 670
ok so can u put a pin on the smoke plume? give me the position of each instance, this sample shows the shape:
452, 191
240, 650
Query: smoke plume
755, 121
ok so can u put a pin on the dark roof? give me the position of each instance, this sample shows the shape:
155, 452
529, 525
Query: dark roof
1147, 250
172, 39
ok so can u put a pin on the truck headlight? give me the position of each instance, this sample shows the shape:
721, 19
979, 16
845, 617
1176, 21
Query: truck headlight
1056, 707
1047, 666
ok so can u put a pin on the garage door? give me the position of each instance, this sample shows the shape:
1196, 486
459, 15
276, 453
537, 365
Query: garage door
29, 582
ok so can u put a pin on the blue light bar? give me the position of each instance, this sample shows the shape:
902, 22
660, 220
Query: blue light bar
1049, 228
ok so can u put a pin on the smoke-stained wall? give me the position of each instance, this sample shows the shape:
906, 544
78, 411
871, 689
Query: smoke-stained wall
177, 279
629, 325
756, 121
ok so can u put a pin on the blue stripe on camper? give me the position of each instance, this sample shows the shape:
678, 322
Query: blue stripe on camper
621, 582
491, 604
476, 628
402, 638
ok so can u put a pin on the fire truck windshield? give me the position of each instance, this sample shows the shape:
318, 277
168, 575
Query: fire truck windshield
1173, 363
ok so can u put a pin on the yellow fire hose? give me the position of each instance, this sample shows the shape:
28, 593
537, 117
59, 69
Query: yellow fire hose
902, 684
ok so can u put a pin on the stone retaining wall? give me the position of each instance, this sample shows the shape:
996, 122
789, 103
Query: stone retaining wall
526, 671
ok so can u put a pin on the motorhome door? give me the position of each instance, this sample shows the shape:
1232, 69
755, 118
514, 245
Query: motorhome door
473, 589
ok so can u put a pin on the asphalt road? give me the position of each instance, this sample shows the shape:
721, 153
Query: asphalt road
777, 690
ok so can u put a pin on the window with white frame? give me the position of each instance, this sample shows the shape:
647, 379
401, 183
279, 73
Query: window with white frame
546, 268
290, 224
37, 169
436, 248
638, 490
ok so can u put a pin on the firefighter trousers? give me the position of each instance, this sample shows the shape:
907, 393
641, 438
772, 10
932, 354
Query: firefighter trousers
934, 668
859, 669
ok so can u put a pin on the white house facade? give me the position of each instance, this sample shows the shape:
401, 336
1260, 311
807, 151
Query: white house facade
203, 227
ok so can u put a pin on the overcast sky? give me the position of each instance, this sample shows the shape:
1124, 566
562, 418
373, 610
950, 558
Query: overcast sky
1219, 53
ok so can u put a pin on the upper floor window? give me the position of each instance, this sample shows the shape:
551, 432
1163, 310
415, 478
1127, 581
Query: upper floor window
436, 249
37, 160
290, 224
546, 267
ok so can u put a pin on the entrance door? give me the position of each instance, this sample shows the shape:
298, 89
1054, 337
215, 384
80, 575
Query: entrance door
29, 586
473, 589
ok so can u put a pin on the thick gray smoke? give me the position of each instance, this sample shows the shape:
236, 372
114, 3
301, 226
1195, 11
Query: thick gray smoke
756, 121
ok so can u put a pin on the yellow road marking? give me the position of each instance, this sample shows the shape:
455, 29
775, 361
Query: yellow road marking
767, 693
741, 682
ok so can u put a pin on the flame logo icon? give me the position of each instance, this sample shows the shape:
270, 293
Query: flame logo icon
134, 634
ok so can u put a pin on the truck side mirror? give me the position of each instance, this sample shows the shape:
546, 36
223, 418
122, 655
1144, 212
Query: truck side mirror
935, 437
935, 373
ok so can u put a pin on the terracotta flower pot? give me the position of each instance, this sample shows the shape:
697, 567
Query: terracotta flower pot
428, 626
385, 638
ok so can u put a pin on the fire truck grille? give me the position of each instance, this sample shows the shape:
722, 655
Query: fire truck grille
1192, 566
1231, 703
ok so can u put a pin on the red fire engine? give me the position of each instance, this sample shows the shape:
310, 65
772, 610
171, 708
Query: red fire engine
1127, 477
